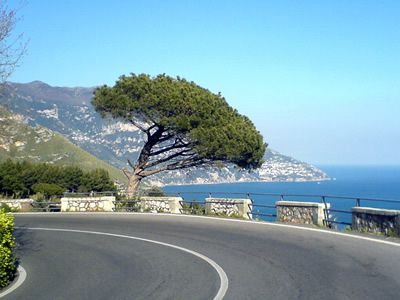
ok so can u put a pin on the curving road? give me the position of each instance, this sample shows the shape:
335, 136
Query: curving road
261, 261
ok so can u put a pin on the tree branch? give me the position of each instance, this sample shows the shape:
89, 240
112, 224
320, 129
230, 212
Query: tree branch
165, 138
166, 149
176, 166
131, 164
179, 165
163, 160
138, 126
127, 173
152, 172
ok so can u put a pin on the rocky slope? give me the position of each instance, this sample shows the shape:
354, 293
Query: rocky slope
39, 144
69, 112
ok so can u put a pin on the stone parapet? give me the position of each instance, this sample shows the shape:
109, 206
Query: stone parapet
301, 212
161, 204
375, 220
229, 207
91, 204
18, 204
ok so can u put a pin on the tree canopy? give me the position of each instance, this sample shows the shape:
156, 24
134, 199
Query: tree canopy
185, 125
21, 179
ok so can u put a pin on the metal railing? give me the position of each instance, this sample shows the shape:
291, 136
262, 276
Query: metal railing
262, 205
89, 194
264, 208
46, 206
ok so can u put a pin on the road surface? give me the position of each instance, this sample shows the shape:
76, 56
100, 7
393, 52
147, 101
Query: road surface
125, 260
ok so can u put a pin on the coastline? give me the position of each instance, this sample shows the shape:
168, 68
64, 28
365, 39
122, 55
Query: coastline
250, 181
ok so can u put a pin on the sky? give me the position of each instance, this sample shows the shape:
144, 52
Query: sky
319, 79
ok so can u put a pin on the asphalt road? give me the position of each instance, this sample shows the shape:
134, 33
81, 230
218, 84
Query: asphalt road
260, 261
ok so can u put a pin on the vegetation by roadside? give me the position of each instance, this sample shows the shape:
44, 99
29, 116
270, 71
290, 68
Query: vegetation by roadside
7, 243
45, 181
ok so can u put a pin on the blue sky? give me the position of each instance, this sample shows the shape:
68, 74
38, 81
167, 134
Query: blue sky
320, 79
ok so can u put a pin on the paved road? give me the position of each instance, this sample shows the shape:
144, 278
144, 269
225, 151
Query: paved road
261, 261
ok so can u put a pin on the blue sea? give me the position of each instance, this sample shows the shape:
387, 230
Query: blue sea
378, 182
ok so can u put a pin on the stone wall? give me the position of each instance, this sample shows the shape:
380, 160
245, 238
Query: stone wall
161, 204
301, 212
229, 207
88, 204
374, 220
18, 204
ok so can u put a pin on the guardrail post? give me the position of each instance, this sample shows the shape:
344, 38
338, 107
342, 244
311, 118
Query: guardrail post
326, 213
250, 207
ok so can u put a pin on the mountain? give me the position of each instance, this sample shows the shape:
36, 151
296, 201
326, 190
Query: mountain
69, 112
39, 144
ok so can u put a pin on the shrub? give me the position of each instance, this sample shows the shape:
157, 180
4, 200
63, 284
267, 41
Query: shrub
7, 244
5, 208
155, 191
193, 208
48, 189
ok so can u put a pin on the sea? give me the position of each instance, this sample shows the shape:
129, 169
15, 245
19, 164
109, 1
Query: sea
381, 183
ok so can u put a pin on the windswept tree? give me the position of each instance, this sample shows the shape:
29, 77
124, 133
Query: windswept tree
184, 124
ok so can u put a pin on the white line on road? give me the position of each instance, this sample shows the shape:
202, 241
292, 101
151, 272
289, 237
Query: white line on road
224, 282
20, 280
296, 227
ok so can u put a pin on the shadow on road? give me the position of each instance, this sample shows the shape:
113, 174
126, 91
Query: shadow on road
25, 241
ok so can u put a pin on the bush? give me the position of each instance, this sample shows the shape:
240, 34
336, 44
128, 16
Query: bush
155, 191
193, 208
7, 244
49, 190
5, 208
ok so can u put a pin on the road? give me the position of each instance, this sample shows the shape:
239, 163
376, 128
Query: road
261, 261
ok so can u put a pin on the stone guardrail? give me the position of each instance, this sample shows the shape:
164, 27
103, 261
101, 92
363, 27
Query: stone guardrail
383, 221
18, 204
91, 204
364, 219
161, 204
229, 207
301, 212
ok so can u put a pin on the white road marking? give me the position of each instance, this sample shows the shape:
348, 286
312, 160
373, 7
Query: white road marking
224, 282
20, 280
348, 235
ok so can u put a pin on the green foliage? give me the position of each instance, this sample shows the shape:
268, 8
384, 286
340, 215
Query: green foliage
155, 191
127, 205
6, 208
7, 244
97, 181
193, 208
391, 232
21, 179
225, 215
198, 126
43, 145
48, 189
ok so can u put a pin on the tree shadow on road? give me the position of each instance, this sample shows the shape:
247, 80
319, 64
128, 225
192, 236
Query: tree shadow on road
25, 241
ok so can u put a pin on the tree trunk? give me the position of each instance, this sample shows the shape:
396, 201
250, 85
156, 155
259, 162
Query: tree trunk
133, 185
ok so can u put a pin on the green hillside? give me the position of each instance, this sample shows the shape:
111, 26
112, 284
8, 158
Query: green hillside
39, 144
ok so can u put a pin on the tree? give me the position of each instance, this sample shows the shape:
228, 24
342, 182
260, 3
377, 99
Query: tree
12, 47
185, 125
22, 178
97, 180
12, 186
49, 190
